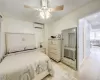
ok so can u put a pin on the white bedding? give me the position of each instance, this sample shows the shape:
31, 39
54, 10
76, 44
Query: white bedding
25, 66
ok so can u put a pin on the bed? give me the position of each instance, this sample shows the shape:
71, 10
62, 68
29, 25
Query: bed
23, 62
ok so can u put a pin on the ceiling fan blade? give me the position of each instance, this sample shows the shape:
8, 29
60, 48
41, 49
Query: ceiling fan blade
58, 8
26, 6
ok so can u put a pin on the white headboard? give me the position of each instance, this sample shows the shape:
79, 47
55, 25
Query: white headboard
19, 41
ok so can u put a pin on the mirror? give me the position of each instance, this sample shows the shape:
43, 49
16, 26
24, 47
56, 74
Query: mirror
69, 47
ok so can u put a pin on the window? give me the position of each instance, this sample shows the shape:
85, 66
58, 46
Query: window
92, 35
98, 35
95, 35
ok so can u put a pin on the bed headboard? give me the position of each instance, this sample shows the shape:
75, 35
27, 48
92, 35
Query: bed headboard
19, 41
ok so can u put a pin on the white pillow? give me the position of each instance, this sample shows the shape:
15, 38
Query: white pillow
30, 47
11, 50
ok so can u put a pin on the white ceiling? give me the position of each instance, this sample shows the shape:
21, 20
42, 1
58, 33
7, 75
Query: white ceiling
15, 9
94, 20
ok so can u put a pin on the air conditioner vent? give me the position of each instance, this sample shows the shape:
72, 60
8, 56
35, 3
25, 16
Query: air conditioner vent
38, 25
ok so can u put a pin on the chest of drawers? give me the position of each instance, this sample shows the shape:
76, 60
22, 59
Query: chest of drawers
55, 49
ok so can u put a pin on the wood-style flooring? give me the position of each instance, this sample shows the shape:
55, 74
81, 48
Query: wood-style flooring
90, 69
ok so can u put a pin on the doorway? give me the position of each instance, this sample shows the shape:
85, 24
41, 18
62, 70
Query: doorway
89, 47
95, 40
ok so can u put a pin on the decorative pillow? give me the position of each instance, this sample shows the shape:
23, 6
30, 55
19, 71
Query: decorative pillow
29, 47
13, 50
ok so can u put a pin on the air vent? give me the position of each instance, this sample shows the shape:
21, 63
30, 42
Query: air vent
38, 25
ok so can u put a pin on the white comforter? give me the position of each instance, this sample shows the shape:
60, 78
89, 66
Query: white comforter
24, 66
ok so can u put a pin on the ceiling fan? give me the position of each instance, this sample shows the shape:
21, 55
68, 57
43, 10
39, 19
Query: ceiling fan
45, 10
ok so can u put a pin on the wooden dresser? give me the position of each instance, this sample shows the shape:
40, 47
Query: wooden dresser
54, 49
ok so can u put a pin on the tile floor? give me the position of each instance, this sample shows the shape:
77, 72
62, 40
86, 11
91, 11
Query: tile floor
90, 69
62, 72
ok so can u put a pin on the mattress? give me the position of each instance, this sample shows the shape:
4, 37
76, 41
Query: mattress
25, 66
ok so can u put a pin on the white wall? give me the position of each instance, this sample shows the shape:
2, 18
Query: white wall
87, 28
72, 19
80, 42
83, 40
46, 38
17, 26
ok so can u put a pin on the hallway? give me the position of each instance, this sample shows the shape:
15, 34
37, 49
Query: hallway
90, 69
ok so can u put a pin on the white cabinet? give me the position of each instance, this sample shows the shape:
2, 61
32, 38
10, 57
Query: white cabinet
54, 49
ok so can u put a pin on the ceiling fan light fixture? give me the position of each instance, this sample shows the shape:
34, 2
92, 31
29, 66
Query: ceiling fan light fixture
45, 14
45, 11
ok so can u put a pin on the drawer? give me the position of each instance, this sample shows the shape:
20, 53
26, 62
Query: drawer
55, 51
54, 56
52, 53
53, 42
54, 47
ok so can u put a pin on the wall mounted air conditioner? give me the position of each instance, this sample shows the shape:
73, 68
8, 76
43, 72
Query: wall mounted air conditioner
38, 25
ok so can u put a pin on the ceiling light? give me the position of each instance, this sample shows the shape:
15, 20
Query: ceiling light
45, 14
